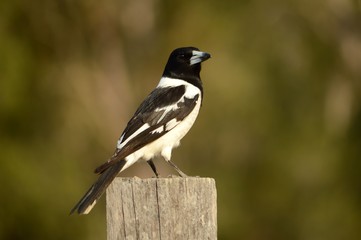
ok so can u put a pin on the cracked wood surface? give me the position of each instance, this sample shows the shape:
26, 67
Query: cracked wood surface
162, 208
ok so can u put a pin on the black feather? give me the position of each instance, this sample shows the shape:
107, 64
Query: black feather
98, 188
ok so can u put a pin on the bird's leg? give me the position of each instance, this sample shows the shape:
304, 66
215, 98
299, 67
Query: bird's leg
151, 164
182, 174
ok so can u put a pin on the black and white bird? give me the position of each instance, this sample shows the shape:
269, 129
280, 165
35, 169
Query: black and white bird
159, 123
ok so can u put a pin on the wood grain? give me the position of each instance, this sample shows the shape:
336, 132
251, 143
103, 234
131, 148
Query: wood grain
162, 208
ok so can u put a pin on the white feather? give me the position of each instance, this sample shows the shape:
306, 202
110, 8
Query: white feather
168, 109
141, 129
158, 130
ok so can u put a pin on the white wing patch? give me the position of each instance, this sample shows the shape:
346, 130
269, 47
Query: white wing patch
168, 109
141, 129
158, 130
163, 115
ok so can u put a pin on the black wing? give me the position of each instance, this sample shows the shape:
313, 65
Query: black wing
146, 112
157, 110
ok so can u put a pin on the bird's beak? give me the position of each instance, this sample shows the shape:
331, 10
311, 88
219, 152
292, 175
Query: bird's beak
198, 57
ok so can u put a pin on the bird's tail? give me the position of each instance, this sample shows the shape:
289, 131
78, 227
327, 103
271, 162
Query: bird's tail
85, 205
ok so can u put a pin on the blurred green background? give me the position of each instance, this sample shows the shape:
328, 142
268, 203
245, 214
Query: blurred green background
280, 127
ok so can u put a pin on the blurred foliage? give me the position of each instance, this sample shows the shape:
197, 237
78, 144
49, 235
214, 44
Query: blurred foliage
280, 128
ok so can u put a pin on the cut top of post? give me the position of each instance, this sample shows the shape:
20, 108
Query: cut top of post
162, 208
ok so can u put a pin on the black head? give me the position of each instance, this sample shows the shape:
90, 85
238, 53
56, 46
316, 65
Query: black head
185, 63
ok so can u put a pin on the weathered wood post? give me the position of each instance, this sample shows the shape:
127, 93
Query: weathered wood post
162, 208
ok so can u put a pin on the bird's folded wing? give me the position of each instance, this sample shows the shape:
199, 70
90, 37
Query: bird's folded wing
161, 111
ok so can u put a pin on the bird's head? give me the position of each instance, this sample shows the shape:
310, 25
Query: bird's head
185, 63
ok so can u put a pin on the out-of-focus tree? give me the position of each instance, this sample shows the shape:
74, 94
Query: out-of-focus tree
280, 128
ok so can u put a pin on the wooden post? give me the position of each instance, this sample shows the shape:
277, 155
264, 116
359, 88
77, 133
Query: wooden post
162, 208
